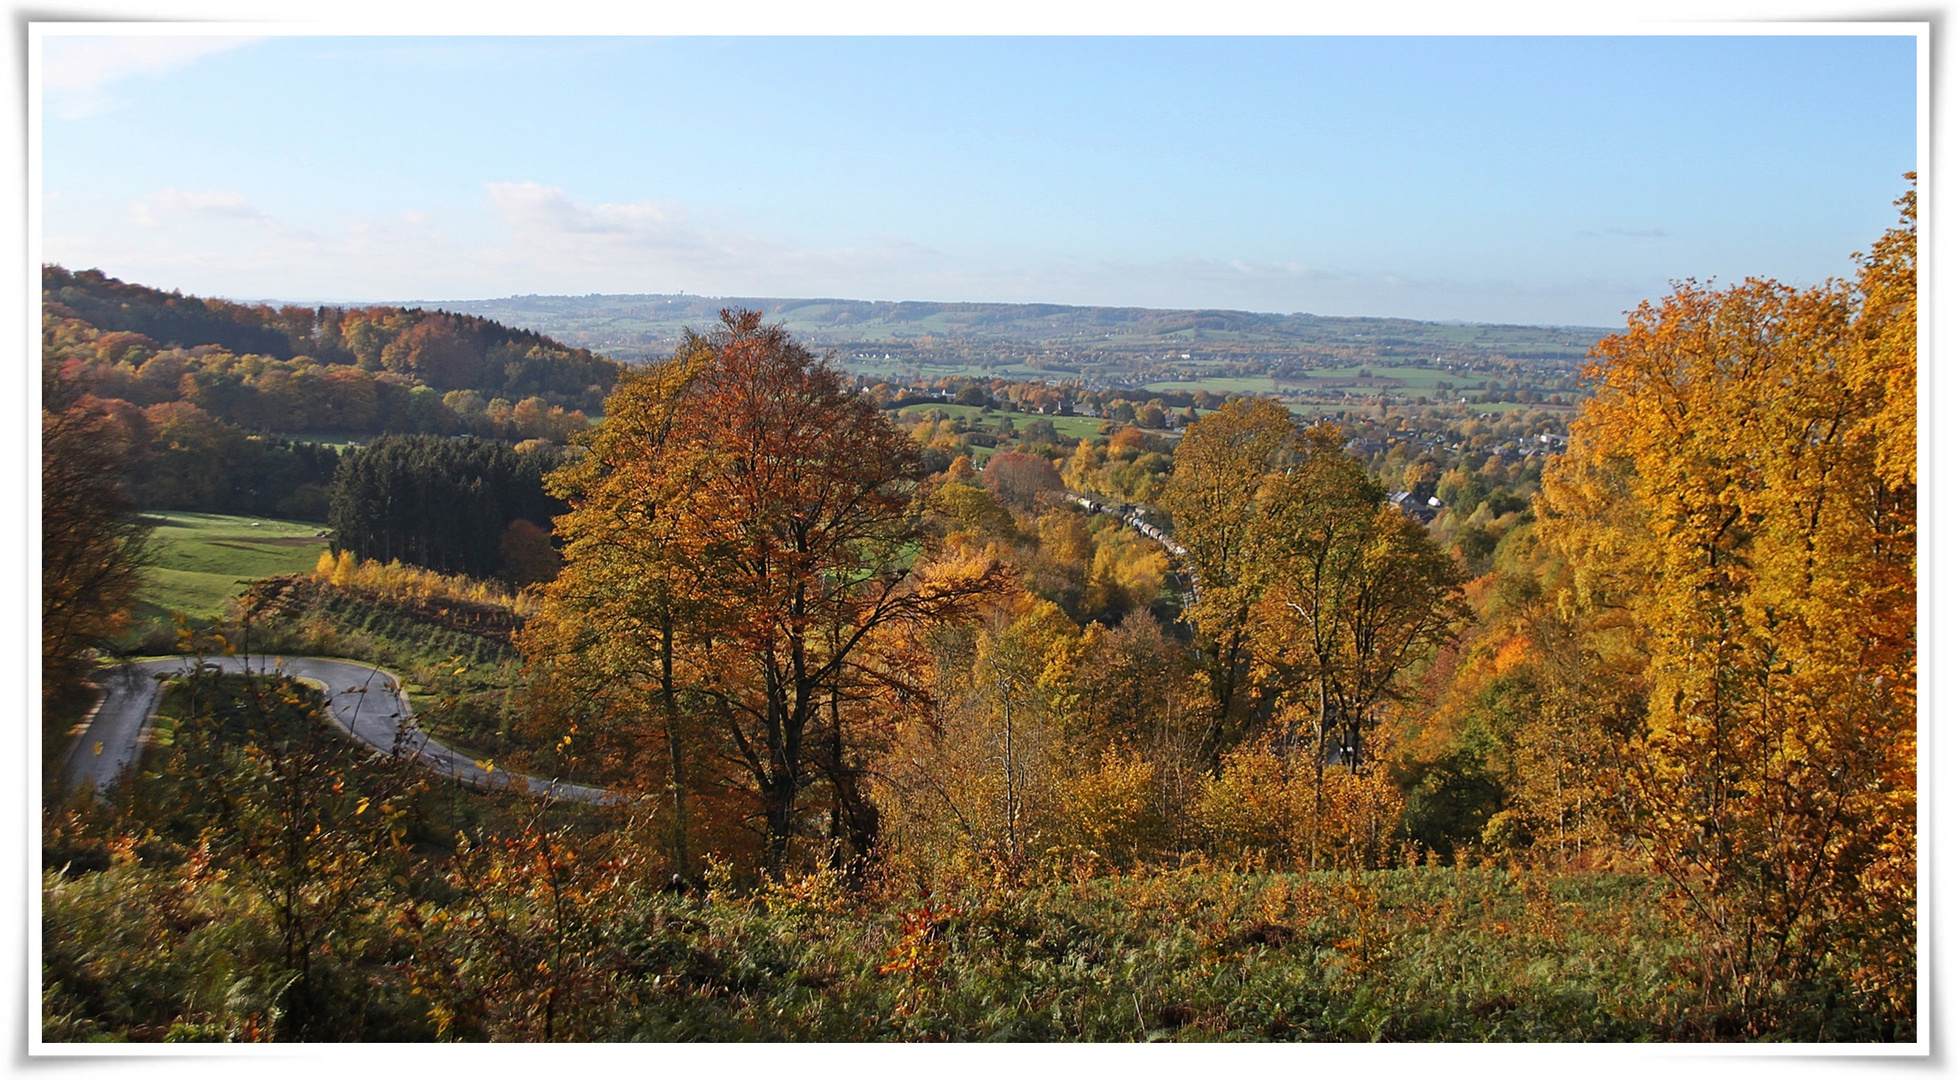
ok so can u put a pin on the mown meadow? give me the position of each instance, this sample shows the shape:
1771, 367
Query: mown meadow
202, 561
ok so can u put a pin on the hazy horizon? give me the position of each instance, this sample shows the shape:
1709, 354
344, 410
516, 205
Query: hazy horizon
1513, 180
426, 302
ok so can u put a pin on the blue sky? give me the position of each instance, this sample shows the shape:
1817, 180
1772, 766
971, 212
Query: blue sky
1530, 179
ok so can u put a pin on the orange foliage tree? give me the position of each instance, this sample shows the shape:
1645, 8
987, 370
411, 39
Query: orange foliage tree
1743, 484
93, 545
1357, 595
1223, 498
742, 531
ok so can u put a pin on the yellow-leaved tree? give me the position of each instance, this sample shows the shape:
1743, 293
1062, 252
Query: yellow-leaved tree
1224, 498
1743, 485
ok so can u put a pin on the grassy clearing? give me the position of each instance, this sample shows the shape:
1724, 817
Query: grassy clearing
204, 560
1070, 428
1075, 428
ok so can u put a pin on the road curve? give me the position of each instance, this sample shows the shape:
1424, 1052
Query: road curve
364, 702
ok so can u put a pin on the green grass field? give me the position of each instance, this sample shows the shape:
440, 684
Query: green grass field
1074, 428
1070, 428
203, 560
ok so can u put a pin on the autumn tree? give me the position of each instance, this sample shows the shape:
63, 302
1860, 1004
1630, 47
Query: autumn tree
92, 542
1126, 574
1135, 697
1358, 594
1008, 760
744, 519
1019, 478
1222, 499
279, 804
528, 556
1743, 485
1522, 748
619, 637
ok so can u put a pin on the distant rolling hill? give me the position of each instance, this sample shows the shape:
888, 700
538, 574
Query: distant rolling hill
1098, 343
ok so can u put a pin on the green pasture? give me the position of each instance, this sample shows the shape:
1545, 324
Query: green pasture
203, 560
1070, 428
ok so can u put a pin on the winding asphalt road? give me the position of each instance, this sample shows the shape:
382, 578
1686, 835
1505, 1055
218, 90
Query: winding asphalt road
364, 702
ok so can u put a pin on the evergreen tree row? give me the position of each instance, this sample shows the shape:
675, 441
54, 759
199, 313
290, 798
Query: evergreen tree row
237, 474
446, 504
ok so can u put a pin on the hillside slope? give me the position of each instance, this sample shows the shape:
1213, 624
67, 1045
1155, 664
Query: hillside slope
296, 368
1108, 342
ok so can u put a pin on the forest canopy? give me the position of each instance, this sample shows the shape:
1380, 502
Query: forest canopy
221, 404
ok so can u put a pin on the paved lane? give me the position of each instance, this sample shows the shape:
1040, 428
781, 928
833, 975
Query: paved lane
108, 745
364, 702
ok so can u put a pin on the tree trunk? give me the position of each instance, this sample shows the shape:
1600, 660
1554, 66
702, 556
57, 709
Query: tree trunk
853, 817
1224, 699
669, 699
787, 720
1318, 770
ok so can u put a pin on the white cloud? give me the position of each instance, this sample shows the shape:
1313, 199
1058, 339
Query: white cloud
158, 208
533, 206
89, 62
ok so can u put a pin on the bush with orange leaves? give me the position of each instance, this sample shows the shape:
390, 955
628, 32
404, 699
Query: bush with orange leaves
1264, 800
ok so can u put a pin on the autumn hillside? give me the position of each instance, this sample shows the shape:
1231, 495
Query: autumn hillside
224, 346
1011, 710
